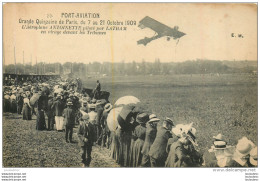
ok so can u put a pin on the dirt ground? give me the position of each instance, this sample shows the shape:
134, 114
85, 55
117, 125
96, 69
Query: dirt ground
24, 146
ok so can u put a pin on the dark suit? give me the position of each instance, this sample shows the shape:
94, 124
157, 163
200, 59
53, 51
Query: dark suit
50, 115
157, 151
58, 107
150, 135
69, 120
86, 131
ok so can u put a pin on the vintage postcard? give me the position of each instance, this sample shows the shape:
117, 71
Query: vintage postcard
130, 85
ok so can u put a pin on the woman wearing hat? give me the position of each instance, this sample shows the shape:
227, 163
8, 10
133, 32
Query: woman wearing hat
139, 137
150, 135
27, 111
241, 156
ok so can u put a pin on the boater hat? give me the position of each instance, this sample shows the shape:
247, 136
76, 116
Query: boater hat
154, 120
69, 103
152, 116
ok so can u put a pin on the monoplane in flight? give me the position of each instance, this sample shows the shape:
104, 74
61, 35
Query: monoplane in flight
160, 29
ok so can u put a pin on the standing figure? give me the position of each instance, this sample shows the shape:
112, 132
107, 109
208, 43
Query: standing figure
50, 113
86, 137
97, 90
157, 151
150, 135
27, 110
106, 138
58, 107
19, 103
41, 107
139, 137
69, 121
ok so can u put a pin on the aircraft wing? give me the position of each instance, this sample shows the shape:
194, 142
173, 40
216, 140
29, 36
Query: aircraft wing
156, 26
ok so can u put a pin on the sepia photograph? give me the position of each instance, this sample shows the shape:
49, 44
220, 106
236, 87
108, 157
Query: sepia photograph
133, 85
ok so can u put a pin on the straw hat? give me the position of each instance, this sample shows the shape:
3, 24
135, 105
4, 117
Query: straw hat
244, 146
154, 120
218, 145
92, 106
69, 103
152, 116
253, 156
219, 137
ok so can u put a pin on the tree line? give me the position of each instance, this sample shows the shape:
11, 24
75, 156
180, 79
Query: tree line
136, 68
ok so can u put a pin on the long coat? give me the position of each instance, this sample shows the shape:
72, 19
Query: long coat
150, 135
139, 136
158, 148
58, 107
86, 131
69, 117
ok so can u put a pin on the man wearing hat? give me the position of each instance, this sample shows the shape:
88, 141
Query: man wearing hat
69, 121
58, 107
150, 135
99, 110
50, 113
217, 150
105, 130
86, 137
157, 151
241, 156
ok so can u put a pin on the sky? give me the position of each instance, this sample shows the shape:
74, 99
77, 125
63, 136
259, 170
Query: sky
208, 29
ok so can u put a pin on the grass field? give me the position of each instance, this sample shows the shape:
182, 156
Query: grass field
224, 104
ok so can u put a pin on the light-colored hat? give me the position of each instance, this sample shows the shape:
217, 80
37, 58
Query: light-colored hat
219, 137
94, 101
154, 120
85, 117
218, 145
92, 106
152, 116
108, 107
178, 129
253, 156
244, 146
69, 103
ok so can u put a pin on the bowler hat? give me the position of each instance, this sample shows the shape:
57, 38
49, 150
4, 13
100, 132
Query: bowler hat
142, 118
169, 121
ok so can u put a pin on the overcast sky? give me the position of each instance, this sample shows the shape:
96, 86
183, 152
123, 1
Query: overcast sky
208, 29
